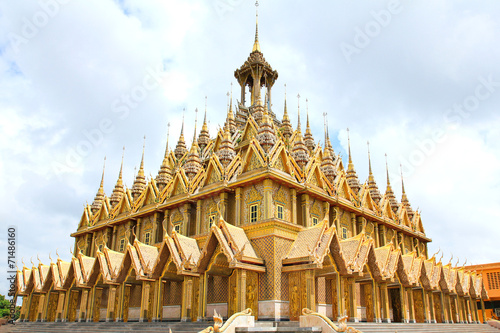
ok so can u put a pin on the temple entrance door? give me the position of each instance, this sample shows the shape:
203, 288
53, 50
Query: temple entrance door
368, 302
171, 293
221, 296
395, 298
52, 306
418, 303
297, 293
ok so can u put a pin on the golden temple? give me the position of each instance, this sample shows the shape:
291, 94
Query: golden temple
259, 216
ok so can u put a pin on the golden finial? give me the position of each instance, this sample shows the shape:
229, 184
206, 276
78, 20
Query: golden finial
307, 112
458, 260
349, 145
196, 119
463, 266
369, 159
325, 126
298, 112
256, 46
22, 261
442, 254
387, 170
102, 177
50, 258
71, 251
449, 262
57, 254
402, 181
32, 263
168, 135
38, 257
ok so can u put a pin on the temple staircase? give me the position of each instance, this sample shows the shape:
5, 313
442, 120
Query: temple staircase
260, 326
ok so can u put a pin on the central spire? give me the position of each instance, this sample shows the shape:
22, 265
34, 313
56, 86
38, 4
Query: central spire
256, 46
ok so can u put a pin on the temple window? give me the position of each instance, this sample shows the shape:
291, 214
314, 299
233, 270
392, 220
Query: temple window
100, 247
344, 233
177, 228
147, 238
314, 220
253, 213
122, 245
280, 209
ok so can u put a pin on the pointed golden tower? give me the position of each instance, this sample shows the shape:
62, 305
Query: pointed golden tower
255, 72
328, 164
226, 152
372, 185
140, 179
193, 162
166, 173
99, 197
352, 176
299, 150
204, 137
181, 149
404, 199
308, 137
266, 135
119, 190
230, 120
389, 193
286, 125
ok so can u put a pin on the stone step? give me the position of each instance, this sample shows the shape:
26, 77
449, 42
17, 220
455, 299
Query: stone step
261, 327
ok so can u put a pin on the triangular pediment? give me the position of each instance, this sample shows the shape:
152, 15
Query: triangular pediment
218, 140
123, 206
249, 132
102, 214
148, 196
386, 209
279, 158
403, 218
254, 158
343, 189
417, 222
214, 171
314, 175
180, 184
85, 219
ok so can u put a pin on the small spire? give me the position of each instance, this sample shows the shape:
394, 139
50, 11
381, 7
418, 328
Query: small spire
298, 112
168, 135
387, 171
181, 149
118, 190
256, 46
402, 180
369, 160
99, 197
196, 119
349, 146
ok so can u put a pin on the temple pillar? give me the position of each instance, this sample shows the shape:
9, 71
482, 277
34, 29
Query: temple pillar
483, 311
386, 317
340, 295
411, 305
268, 199
224, 198
198, 217
187, 297
60, 306
376, 302
432, 309
203, 291
238, 210
306, 221
353, 300
110, 308
468, 310
294, 206
444, 312
383, 235
310, 290
83, 305
158, 301
91, 301
404, 308
475, 315
377, 236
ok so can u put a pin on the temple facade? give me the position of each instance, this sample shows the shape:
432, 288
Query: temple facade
257, 215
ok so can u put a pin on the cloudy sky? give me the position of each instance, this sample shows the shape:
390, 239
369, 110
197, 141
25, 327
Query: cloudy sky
81, 79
